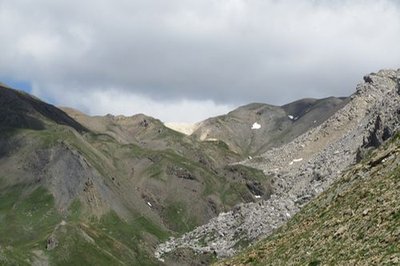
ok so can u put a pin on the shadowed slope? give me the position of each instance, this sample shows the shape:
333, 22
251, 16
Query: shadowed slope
20, 110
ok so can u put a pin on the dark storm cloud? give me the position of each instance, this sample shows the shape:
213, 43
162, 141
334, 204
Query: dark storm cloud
213, 52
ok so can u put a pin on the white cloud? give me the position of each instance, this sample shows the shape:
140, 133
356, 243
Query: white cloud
114, 101
217, 53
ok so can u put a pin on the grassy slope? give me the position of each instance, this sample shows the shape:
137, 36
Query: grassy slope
355, 222
25, 223
28, 220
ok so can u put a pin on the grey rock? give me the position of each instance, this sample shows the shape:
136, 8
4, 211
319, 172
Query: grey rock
51, 243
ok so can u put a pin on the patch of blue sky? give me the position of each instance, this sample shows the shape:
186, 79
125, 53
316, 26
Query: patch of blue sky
17, 84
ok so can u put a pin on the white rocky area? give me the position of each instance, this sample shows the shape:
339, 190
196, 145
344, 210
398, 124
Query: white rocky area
185, 128
303, 168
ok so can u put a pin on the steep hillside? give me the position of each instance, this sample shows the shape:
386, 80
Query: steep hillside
255, 128
303, 168
105, 190
355, 222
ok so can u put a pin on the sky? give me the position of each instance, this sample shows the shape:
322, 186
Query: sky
184, 61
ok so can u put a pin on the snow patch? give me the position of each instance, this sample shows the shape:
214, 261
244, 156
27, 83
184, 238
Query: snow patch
296, 161
290, 117
148, 203
256, 126
257, 196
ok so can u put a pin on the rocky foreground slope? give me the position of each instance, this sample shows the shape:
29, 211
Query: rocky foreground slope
302, 169
355, 222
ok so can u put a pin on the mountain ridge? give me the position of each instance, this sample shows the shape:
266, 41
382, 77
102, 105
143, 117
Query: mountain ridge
276, 125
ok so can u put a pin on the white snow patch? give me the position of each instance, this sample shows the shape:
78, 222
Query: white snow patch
148, 203
290, 117
256, 126
296, 161
257, 196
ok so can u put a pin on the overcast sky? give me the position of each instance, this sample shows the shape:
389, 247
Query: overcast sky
183, 61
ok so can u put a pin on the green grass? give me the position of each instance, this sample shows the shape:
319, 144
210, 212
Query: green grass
26, 220
108, 240
235, 192
75, 211
179, 218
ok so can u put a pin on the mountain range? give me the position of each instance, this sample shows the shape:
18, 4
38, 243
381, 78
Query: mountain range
115, 190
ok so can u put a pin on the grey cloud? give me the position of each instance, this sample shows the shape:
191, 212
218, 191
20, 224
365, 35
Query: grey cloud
227, 51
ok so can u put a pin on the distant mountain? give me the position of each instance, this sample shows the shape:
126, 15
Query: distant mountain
255, 128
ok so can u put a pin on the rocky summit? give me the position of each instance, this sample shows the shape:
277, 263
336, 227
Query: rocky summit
116, 190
